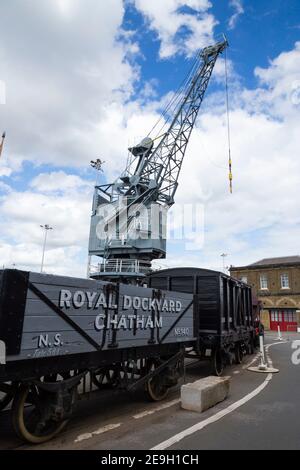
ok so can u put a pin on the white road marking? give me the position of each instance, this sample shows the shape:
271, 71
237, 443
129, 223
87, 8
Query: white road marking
274, 344
109, 427
199, 426
252, 362
212, 419
270, 362
158, 408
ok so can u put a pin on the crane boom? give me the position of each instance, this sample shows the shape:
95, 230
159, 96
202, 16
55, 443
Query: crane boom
164, 163
150, 179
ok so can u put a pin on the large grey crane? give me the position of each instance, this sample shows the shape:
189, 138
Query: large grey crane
128, 225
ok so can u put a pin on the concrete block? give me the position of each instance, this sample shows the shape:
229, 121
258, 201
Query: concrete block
205, 393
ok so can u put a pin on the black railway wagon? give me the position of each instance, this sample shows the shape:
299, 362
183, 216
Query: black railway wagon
60, 334
223, 312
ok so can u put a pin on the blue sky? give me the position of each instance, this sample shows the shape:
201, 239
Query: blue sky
84, 79
263, 31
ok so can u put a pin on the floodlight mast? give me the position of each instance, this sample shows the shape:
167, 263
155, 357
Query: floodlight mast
122, 228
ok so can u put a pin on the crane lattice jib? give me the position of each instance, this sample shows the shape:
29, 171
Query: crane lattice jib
164, 163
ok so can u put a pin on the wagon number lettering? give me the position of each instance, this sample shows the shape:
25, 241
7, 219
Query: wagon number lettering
182, 332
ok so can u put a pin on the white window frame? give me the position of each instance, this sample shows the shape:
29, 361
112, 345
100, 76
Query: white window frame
283, 278
263, 282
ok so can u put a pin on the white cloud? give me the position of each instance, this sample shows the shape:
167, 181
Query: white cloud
238, 7
64, 202
282, 80
2, 92
66, 7
68, 262
23, 212
5, 188
5, 171
169, 18
58, 181
64, 64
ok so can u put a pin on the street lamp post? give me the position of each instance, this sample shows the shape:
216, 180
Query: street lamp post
224, 255
46, 228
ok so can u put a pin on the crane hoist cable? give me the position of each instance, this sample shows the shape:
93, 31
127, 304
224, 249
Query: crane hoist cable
228, 125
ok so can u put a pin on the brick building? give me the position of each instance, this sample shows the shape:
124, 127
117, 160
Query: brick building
276, 283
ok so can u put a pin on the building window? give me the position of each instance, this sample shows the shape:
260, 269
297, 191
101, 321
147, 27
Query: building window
263, 282
290, 317
285, 284
287, 316
276, 316
244, 279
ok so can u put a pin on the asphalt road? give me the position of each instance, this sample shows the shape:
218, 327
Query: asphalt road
269, 420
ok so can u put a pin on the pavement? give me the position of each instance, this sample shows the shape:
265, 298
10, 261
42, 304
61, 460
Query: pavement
262, 412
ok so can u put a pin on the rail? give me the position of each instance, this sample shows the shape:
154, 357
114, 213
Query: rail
121, 266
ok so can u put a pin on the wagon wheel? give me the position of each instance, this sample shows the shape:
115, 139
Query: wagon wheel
218, 362
104, 378
5, 398
238, 354
33, 423
156, 387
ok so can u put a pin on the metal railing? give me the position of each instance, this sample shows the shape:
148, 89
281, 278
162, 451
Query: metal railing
115, 266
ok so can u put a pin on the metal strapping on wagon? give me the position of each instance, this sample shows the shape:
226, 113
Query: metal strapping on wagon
176, 322
62, 315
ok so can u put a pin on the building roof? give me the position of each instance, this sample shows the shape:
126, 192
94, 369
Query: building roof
280, 260
267, 262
